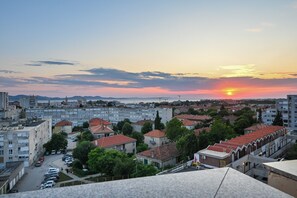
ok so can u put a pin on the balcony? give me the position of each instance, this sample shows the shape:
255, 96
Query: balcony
223, 182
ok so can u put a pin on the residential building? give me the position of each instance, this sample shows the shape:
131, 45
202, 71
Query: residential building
292, 111
118, 142
201, 118
24, 142
113, 114
161, 156
100, 128
137, 126
28, 102
10, 175
3, 101
282, 106
254, 128
263, 142
63, 126
197, 132
155, 138
189, 124
268, 115
283, 176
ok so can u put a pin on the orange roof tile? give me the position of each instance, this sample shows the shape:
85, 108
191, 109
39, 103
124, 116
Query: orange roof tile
64, 123
163, 153
100, 129
189, 122
156, 134
198, 131
98, 121
242, 140
107, 142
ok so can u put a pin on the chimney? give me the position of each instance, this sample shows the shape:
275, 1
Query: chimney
152, 154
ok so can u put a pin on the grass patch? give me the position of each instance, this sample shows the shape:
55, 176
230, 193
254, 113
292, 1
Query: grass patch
72, 183
64, 177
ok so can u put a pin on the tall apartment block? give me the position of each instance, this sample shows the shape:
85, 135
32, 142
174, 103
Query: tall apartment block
3, 101
24, 142
292, 111
80, 115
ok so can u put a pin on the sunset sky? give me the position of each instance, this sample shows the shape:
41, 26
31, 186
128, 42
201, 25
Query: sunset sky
146, 48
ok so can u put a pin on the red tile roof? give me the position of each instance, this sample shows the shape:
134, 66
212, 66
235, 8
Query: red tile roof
198, 131
242, 140
98, 121
193, 117
156, 134
100, 129
141, 122
255, 127
107, 142
163, 153
64, 123
189, 122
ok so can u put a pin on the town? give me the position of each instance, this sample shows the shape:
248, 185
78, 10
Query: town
67, 143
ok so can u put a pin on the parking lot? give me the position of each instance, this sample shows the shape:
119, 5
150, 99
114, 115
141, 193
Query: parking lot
34, 175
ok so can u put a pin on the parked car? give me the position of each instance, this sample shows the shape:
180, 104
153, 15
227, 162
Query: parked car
47, 184
52, 175
54, 169
51, 178
53, 152
38, 164
66, 156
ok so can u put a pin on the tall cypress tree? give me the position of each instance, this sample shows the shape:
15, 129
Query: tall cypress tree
158, 121
278, 121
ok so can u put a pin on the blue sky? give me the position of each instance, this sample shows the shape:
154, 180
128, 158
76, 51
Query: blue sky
192, 40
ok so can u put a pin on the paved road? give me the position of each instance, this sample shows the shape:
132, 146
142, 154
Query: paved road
34, 175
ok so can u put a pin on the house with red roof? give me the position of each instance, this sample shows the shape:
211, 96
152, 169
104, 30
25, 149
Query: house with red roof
137, 126
161, 156
100, 128
262, 142
63, 126
254, 128
119, 142
201, 118
155, 138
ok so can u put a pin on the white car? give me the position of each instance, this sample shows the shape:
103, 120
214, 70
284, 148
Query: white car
54, 169
49, 183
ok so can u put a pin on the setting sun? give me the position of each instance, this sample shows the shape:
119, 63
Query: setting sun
229, 93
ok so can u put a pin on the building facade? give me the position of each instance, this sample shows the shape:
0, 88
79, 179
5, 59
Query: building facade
80, 115
3, 101
155, 138
263, 142
292, 111
24, 143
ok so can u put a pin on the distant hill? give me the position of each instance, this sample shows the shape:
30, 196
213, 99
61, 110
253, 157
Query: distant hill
18, 97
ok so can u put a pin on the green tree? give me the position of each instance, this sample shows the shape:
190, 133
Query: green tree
260, 116
82, 150
158, 122
174, 129
142, 170
147, 127
187, 145
104, 161
86, 136
121, 124
127, 129
141, 147
124, 167
86, 125
220, 131
57, 142
138, 136
203, 140
278, 120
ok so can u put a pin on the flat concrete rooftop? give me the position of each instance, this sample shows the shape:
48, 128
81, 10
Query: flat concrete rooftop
223, 182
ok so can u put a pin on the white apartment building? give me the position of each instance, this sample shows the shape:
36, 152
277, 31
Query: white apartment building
24, 143
28, 102
3, 101
112, 114
292, 111
268, 115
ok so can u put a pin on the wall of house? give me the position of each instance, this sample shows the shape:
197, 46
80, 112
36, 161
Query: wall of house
282, 183
156, 162
158, 141
130, 147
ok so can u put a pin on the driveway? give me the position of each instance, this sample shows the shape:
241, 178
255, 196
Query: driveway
34, 175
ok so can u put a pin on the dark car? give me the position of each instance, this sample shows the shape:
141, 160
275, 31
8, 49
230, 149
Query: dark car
38, 164
52, 175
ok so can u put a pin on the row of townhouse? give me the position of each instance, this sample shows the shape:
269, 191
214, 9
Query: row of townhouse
263, 142
113, 114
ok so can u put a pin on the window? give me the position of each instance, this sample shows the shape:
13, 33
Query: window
10, 151
10, 158
1, 152
9, 141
